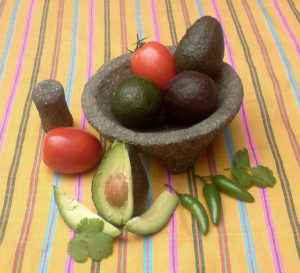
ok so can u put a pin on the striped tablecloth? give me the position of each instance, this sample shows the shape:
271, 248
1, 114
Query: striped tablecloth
68, 40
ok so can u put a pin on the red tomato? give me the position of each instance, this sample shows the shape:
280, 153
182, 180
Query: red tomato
155, 62
70, 150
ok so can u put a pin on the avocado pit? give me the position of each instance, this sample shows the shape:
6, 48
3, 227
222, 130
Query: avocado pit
116, 190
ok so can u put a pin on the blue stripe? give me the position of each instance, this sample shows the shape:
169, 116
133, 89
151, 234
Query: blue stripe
200, 8
44, 262
138, 16
70, 82
147, 241
282, 53
69, 89
249, 246
9, 36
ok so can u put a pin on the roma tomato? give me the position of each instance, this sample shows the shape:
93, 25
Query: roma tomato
155, 62
70, 150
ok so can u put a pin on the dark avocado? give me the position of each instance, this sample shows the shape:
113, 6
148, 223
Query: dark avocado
136, 102
190, 97
120, 186
201, 48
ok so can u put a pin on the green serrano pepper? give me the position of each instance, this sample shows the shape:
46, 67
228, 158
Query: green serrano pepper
213, 200
196, 209
231, 188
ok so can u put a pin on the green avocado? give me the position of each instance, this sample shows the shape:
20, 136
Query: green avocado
190, 97
201, 48
73, 212
156, 217
120, 185
136, 101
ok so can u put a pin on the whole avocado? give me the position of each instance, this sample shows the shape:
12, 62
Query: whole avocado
136, 101
201, 48
190, 97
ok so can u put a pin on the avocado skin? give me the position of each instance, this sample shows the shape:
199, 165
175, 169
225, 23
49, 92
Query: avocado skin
201, 48
190, 97
139, 181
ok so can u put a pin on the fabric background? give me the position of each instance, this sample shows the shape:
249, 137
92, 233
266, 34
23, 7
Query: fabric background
68, 40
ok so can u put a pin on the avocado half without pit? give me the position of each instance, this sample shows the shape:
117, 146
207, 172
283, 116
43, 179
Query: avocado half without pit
120, 186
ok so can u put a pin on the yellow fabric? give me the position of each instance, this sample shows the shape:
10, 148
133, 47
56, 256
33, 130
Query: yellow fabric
68, 41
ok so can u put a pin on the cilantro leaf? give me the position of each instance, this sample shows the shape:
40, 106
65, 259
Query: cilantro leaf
90, 225
78, 250
90, 241
241, 158
263, 176
100, 246
244, 178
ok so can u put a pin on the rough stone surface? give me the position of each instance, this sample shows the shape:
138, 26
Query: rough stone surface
50, 101
176, 146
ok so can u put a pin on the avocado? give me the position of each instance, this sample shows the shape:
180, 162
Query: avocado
136, 101
120, 185
190, 97
201, 48
156, 217
73, 212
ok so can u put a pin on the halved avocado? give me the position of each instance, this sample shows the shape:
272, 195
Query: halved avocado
73, 212
120, 186
156, 217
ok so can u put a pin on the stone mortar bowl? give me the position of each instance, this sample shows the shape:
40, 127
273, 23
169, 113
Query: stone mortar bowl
177, 146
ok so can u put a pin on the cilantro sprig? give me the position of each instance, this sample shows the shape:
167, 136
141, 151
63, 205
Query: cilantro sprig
247, 175
90, 241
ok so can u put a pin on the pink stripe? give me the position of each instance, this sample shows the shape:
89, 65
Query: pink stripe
90, 62
275, 250
83, 124
173, 232
287, 27
15, 85
255, 160
155, 20
276, 85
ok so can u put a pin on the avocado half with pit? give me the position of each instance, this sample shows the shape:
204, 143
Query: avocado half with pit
73, 212
120, 185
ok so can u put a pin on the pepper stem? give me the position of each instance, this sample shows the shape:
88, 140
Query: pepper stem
202, 178
172, 189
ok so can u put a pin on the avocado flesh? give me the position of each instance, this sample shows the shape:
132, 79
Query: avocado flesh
201, 48
156, 217
73, 212
120, 159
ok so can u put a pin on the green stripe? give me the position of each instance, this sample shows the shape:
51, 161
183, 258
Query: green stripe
21, 133
2, 4
185, 13
267, 123
58, 34
31, 205
275, 82
107, 47
199, 259
107, 31
294, 9
95, 266
212, 167
171, 22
